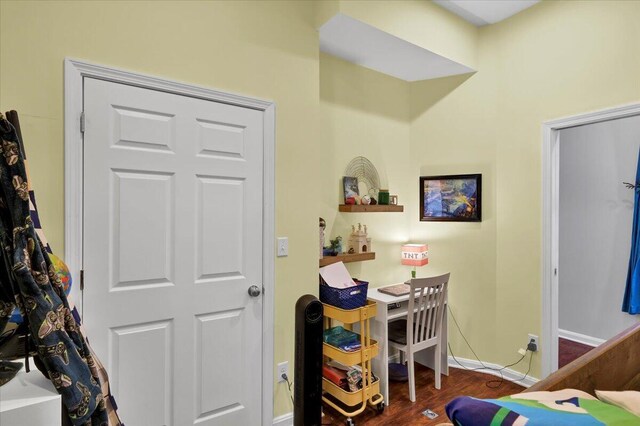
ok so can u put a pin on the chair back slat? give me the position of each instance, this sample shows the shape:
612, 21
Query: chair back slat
428, 306
433, 314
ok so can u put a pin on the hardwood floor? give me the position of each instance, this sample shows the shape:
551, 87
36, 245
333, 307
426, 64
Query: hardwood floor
403, 412
569, 350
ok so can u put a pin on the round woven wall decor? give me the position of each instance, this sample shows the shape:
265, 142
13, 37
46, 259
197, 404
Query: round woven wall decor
365, 171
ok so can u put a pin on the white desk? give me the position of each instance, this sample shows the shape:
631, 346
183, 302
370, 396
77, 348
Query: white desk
379, 331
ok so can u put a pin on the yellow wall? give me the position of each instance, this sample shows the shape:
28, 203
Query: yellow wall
365, 113
328, 111
242, 47
553, 60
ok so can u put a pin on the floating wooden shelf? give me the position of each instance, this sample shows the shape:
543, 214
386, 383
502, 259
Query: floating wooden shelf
370, 208
346, 258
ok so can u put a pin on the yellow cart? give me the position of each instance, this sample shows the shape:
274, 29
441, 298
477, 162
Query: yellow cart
370, 391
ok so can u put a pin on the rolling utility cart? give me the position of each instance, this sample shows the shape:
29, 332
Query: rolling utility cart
370, 391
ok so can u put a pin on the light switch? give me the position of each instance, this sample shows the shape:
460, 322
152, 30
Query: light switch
283, 246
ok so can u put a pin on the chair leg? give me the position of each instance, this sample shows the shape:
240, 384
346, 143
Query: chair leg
438, 365
412, 377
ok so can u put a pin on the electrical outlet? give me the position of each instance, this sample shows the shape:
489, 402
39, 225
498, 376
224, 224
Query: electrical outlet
283, 368
534, 339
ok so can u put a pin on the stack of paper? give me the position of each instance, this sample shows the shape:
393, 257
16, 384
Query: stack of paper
336, 276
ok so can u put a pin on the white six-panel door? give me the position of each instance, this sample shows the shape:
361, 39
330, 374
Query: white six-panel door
172, 242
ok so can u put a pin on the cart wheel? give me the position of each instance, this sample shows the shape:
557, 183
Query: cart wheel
350, 422
380, 408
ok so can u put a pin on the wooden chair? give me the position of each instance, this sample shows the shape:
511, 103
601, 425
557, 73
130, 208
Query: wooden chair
422, 330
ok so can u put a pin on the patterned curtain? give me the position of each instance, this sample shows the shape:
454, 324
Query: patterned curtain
39, 293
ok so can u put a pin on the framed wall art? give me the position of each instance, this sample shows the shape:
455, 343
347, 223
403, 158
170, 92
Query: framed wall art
350, 189
451, 198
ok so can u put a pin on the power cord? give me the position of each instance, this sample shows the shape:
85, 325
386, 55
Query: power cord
289, 384
496, 383
493, 383
528, 369
286, 379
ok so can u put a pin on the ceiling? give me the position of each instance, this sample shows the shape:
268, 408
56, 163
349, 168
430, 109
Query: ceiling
370, 47
485, 12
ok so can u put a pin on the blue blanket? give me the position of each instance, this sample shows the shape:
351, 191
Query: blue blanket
560, 408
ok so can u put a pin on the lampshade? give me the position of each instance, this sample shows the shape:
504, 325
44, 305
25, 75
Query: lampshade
415, 254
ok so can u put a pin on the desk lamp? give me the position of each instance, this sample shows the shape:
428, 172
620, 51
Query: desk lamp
415, 255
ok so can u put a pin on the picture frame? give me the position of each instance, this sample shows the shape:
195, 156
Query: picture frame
451, 198
351, 190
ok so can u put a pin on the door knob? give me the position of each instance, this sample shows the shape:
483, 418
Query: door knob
254, 291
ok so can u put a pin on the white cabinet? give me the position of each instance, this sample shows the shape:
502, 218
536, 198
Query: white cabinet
29, 399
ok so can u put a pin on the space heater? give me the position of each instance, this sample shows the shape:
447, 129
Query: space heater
307, 407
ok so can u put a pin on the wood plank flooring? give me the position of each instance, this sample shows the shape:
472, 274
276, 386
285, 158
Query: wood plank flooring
403, 412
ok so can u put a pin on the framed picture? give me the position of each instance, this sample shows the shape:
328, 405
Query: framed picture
350, 189
451, 198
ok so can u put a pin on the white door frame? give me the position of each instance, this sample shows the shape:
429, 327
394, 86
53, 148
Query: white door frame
74, 71
550, 214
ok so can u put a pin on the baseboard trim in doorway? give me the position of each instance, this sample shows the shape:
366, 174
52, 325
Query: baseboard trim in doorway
283, 420
507, 373
580, 338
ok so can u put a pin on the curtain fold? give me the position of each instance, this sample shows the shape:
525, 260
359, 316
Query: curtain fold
631, 300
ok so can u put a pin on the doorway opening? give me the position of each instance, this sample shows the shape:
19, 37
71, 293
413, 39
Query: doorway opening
586, 229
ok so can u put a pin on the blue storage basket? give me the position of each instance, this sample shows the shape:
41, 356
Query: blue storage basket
344, 298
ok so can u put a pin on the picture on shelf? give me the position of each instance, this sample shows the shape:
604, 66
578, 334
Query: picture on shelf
351, 192
451, 198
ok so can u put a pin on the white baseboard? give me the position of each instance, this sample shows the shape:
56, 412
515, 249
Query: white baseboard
507, 373
580, 338
284, 420
394, 358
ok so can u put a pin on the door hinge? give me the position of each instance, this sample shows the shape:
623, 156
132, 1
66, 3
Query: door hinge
81, 279
82, 123
555, 272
